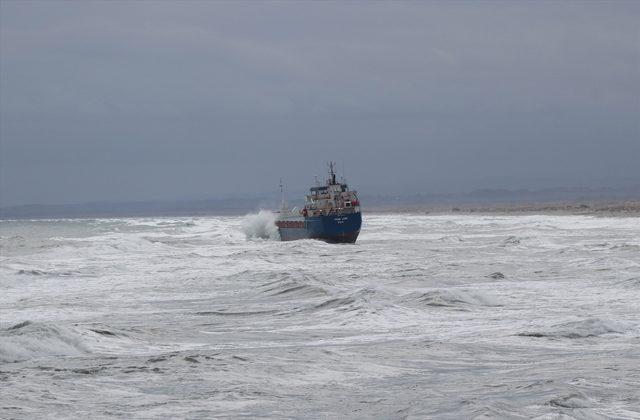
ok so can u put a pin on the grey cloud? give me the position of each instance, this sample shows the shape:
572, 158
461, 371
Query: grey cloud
120, 101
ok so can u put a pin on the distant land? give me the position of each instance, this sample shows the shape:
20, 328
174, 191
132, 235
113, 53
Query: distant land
620, 201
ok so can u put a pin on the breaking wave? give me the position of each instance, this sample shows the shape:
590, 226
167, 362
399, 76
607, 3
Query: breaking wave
449, 298
261, 225
28, 340
591, 327
574, 400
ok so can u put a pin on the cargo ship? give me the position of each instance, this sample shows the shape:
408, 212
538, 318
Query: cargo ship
331, 213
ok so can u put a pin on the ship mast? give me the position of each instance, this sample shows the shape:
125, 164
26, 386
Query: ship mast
332, 174
283, 204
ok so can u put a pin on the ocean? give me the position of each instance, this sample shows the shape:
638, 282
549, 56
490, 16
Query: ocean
426, 316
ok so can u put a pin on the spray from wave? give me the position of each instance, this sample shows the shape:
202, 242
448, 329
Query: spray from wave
261, 225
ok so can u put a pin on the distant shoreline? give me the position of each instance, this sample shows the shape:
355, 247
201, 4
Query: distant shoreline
610, 208
622, 201
618, 208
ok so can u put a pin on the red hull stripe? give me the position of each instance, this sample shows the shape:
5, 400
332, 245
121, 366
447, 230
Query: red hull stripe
290, 224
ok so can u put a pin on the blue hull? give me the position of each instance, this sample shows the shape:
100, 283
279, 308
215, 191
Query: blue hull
339, 228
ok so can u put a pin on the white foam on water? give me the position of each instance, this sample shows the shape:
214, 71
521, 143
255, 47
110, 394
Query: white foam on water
424, 317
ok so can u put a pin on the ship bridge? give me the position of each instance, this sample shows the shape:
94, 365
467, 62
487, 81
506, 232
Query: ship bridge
324, 189
332, 198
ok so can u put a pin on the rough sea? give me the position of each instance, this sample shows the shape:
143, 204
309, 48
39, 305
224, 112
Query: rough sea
443, 317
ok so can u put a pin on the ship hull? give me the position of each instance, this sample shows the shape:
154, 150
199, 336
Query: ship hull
338, 228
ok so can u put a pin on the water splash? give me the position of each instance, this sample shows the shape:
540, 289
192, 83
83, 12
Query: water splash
261, 225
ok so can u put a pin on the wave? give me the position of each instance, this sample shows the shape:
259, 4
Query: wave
176, 223
14, 245
511, 240
237, 314
37, 272
361, 301
261, 225
28, 340
33, 272
626, 247
451, 239
292, 288
574, 400
450, 298
591, 327
632, 282
176, 240
336, 303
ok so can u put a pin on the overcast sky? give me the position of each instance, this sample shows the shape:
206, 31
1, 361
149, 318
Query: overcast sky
184, 99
